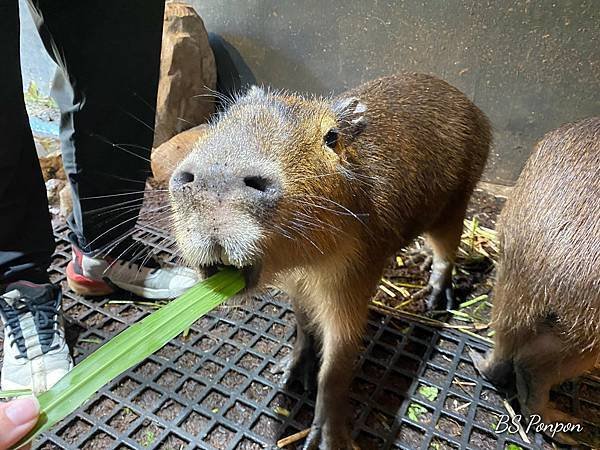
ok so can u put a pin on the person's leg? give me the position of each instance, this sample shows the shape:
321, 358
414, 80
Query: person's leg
35, 354
108, 53
26, 240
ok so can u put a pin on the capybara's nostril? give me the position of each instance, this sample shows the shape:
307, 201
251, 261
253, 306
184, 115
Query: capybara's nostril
181, 178
259, 183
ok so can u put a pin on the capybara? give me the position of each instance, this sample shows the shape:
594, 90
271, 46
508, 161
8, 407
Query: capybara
546, 310
312, 195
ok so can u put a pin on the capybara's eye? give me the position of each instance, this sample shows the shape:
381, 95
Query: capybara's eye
331, 138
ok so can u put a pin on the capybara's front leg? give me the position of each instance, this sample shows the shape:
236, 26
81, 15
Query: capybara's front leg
330, 429
340, 318
303, 362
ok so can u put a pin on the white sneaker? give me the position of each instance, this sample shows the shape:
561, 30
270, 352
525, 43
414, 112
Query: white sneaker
36, 355
93, 276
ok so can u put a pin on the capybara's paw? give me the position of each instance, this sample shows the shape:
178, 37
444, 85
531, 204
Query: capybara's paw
441, 299
323, 438
499, 373
299, 367
422, 257
479, 361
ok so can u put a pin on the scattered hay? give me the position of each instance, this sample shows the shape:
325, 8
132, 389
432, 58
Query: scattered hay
402, 287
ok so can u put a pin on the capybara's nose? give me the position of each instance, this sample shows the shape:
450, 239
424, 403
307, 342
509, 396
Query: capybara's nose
259, 183
181, 178
223, 181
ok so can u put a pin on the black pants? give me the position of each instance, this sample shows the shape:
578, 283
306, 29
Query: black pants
108, 56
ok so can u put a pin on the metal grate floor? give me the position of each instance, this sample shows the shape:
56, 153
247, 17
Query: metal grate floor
415, 386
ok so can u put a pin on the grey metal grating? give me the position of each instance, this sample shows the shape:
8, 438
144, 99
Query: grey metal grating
214, 388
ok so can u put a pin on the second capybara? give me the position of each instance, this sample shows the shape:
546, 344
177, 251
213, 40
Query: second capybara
546, 310
312, 195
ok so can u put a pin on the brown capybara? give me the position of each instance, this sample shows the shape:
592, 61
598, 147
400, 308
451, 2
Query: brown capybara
546, 309
313, 195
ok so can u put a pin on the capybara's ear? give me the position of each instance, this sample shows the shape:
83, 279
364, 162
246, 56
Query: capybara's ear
350, 115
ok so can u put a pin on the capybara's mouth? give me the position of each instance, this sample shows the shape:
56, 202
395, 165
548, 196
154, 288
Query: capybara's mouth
251, 273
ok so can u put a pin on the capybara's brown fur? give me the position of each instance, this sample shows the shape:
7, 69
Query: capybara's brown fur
313, 195
547, 298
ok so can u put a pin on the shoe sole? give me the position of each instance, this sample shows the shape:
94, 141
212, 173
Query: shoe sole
9, 385
148, 293
92, 288
90, 291
86, 287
